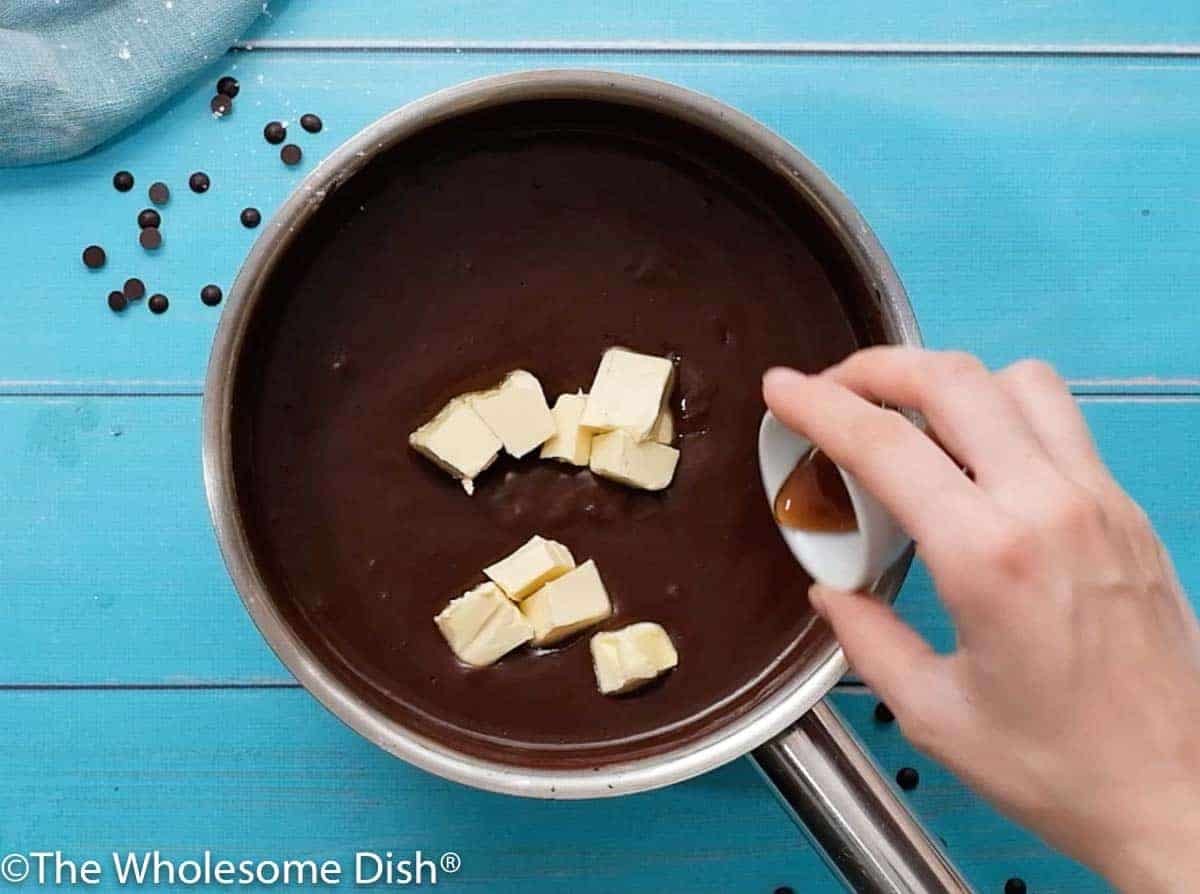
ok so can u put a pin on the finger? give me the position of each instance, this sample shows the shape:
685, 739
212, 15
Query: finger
976, 420
918, 483
890, 656
1055, 419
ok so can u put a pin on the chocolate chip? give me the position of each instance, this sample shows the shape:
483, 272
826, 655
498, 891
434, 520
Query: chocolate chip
311, 123
785, 889
907, 778
199, 182
160, 193
883, 714
94, 257
117, 302
221, 105
251, 218
134, 289
150, 238
229, 86
290, 154
211, 295
158, 303
1015, 886
274, 133
123, 181
148, 217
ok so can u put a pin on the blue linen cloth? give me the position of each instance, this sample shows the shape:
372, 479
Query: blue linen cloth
75, 72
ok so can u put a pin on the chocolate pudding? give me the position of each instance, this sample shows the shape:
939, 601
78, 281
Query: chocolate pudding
535, 237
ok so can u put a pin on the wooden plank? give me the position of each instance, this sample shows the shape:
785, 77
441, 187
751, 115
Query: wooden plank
1061, 227
269, 775
109, 568
111, 575
767, 21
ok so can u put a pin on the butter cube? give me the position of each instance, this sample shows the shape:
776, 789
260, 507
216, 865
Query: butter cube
482, 625
516, 411
664, 428
645, 464
567, 604
458, 441
629, 392
537, 562
631, 657
570, 443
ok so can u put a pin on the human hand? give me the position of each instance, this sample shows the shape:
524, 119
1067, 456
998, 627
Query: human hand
1072, 700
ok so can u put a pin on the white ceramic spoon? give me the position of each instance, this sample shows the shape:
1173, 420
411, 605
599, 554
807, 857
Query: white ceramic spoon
850, 560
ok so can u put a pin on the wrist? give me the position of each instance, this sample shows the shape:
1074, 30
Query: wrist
1157, 850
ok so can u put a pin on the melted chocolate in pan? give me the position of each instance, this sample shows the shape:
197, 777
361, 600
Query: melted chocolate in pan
536, 237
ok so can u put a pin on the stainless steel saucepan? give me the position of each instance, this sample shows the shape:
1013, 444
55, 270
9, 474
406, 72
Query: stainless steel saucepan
820, 771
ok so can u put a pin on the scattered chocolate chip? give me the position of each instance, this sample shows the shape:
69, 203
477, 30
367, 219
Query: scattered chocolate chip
251, 218
221, 105
134, 289
274, 133
312, 123
123, 181
290, 154
158, 303
199, 182
1015, 886
117, 302
907, 778
229, 86
94, 257
883, 714
211, 295
160, 193
148, 217
150, 238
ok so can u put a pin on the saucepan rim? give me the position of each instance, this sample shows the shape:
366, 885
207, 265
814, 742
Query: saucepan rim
729, 740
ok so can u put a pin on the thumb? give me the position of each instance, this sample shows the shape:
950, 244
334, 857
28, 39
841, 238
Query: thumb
890, 656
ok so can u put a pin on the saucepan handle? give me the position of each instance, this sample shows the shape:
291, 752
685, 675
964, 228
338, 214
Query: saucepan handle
836, 793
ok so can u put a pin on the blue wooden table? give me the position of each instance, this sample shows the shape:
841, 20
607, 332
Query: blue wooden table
1033, 169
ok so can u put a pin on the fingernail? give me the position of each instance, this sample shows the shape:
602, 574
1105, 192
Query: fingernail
782, 375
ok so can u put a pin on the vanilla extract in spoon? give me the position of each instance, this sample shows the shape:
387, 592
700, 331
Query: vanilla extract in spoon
814, 497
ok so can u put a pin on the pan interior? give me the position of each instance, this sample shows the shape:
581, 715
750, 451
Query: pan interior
535, 235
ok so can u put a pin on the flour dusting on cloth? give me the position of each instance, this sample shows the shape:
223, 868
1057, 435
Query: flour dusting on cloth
75, 72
